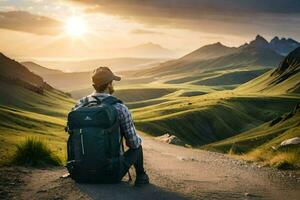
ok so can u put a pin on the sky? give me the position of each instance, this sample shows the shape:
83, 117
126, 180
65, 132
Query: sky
84, 29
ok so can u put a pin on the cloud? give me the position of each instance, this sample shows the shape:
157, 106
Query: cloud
192, 8
26, 22
145, 31
227, 16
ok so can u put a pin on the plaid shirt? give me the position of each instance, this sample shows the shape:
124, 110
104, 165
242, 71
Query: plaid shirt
127, 128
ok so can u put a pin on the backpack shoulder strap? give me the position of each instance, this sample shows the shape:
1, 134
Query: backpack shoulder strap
111, 100
98, 100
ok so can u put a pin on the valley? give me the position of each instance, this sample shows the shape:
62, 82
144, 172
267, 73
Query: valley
208, 96
210, 92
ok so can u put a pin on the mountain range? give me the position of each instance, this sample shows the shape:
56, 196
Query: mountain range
69, 48
217, 56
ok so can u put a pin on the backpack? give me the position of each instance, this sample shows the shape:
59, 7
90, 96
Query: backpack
93, 146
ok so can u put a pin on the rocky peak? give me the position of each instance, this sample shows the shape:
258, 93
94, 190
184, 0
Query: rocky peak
259, 42
274, 40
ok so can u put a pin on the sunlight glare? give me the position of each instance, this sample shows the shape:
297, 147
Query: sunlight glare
75, 26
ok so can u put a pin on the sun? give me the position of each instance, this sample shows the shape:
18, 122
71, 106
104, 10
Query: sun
75, 27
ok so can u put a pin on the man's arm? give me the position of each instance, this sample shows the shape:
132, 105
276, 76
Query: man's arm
127, 127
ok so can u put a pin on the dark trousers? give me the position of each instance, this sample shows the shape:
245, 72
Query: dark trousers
132, 157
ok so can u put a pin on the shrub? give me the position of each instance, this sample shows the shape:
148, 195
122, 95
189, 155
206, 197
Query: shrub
35, 153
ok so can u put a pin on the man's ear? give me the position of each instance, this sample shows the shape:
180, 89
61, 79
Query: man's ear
94, 86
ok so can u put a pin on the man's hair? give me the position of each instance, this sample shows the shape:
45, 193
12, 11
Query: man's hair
101, 88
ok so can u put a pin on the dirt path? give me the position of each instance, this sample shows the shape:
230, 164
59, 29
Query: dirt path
176, 173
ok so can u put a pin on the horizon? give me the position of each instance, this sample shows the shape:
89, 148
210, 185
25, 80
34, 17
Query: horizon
74, 65
68, 59
93, 30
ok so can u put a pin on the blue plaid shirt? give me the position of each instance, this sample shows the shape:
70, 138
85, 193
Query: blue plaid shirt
127, 128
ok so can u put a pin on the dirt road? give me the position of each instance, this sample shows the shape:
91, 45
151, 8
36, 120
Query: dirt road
176, 173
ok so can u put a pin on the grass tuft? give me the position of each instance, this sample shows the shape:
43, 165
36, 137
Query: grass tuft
283, 160
35, 153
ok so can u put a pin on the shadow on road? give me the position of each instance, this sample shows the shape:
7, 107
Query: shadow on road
125, 191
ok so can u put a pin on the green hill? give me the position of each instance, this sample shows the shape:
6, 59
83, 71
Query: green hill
284, 79
207, 118
29, 107
12, 71
232, 78
263, 142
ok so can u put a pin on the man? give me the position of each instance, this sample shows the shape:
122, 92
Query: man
103, 84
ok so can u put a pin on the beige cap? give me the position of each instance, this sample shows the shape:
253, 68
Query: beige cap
103, 75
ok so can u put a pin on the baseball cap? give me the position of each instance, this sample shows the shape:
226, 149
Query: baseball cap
104, 75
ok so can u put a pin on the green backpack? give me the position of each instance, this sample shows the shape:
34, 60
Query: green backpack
93, 145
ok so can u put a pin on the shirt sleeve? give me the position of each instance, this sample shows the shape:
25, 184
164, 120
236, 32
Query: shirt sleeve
127, 127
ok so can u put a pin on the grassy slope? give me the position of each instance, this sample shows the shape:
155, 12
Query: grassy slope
24, 113
258, 143
232, 78
263, 84
203, 119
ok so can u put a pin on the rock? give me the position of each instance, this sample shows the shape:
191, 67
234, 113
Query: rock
249, 195
170, 139
292, 141
66, 175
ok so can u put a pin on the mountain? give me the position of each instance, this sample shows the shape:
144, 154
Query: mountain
216, 57
148, 50
259, 42
283, 45
210, 51
284, 79
40, 70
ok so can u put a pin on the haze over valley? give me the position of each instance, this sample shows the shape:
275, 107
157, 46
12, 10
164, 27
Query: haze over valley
213, 90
